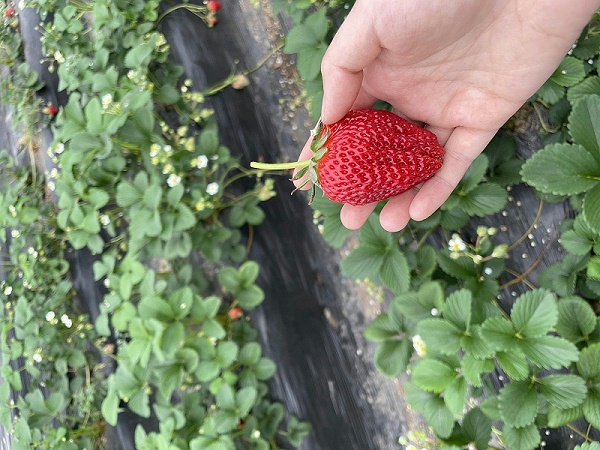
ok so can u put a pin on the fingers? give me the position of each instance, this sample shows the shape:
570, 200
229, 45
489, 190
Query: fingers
462, 147
352, 49
353, 217
394, 215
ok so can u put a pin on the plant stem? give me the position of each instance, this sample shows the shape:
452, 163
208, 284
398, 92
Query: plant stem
279, 166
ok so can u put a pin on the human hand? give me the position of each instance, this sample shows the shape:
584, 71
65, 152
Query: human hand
461, 69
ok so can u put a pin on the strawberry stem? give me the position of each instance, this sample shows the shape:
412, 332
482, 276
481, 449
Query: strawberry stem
279, 166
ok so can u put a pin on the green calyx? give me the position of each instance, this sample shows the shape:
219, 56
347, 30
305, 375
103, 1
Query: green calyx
308, 166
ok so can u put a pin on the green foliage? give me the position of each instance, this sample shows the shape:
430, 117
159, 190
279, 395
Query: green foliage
147, 193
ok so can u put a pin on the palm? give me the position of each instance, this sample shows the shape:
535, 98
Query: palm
459, 68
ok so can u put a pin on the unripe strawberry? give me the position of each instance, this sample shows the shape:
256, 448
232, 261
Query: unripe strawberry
212, 21
235, 313
213, 5
368, 156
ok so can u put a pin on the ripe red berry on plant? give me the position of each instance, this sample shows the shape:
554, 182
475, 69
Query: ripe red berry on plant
235, 313
10, 12
368, 156
213, 5
51, 110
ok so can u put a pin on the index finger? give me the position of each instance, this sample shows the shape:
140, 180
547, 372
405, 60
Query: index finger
353, 48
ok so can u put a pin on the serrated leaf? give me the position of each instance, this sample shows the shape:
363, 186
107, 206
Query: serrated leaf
432, 375
499, 333
455, 395
381, 328
583, 124
576, 319
473, 175
589, 86
587, 364
576, 243
561, 169
457, 309
558, 417
460, 268
362, 262
534, 313
526, 438
550, 92
570, 72
437, 414
588, 446
518, 404
475, 345
491, 407
394, 271
309, 61
440, 335
484, 199
591, 407
514, 363
563, 391
591, 210
392, 356
418, 306
549, 352
477, 428
472, 368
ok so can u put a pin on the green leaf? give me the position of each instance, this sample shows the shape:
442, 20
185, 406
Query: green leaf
460, 268
473, 368
477, 428
558, 417
561, 169
570, 72
474, 175
525, 438
417, 306
593, 269
549, 352
457, 309
362, 262
110, 407
381, 328
550, 92
591, 210
576, 319
518, 404
245, 399
588, 86
587, 365
514, 363
433, 408
394, 271
392, 356
440, 335
432, 375
591, 407
499, 333
588, 446
484, 199
139, 55
534, 313
491, 407
309, 61
583, 124
312, 31
563, 391
455, 395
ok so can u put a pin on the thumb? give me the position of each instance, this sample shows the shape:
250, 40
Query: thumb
353, 48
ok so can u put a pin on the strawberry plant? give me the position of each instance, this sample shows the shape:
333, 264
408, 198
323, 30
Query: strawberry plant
147, 193
450, 319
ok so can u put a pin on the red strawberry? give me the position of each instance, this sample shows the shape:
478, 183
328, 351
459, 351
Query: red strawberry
213, 5
368, 156
235, 313
51, 110
10, 12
